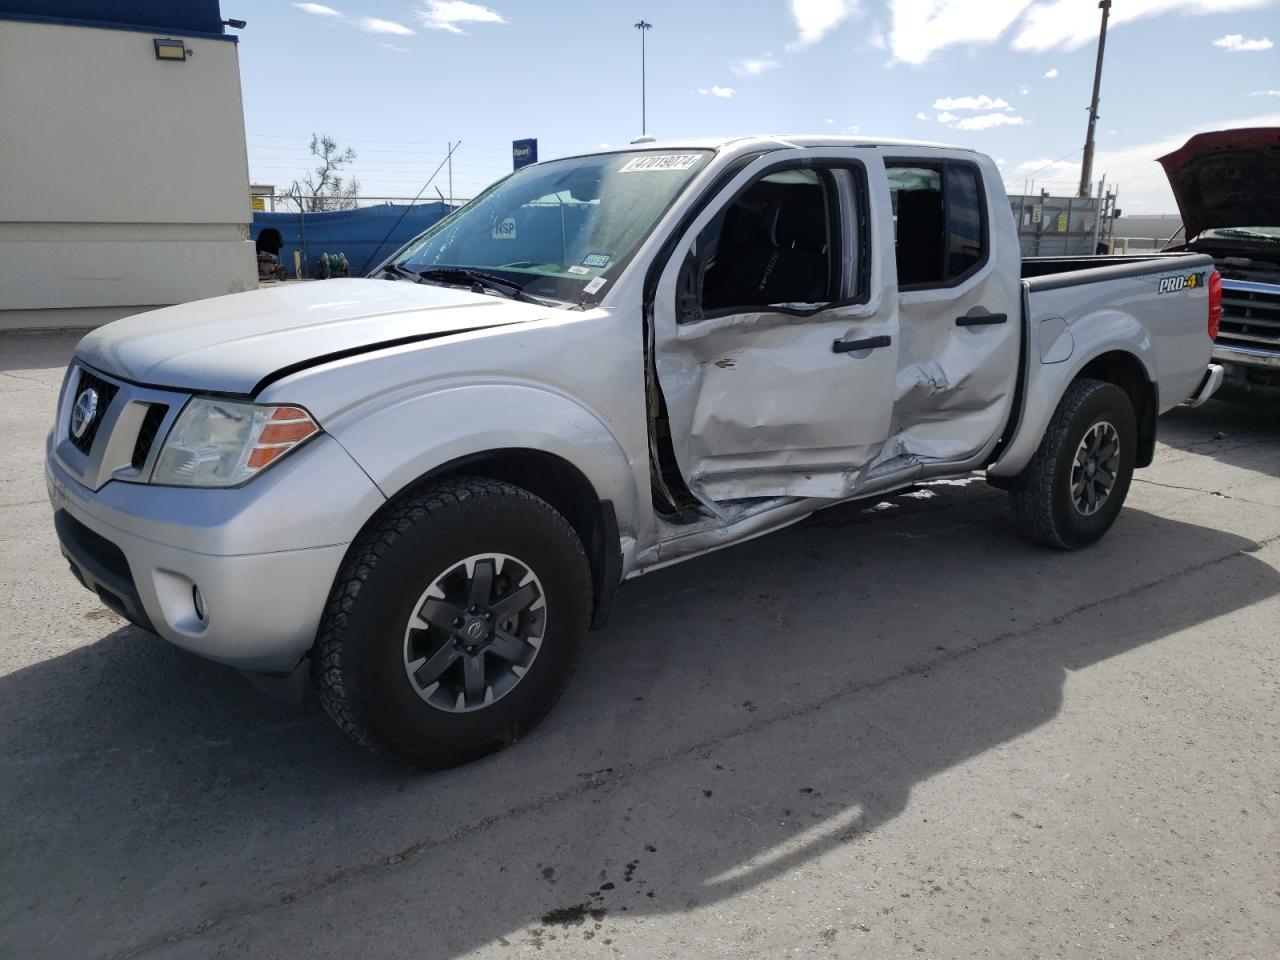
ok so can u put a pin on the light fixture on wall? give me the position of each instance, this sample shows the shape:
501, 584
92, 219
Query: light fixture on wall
170, 49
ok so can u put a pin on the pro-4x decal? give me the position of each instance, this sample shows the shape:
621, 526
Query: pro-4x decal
1184, 281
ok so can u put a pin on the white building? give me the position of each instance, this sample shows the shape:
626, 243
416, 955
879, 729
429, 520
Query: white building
123, 173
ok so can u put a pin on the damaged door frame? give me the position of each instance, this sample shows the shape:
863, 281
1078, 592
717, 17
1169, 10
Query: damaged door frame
673, 501
689, 528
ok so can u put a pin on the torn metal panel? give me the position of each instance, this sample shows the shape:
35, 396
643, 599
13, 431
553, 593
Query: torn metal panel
761, 405
956, 378
785, 400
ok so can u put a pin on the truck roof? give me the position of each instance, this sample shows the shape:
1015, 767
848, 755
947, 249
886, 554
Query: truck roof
783, 139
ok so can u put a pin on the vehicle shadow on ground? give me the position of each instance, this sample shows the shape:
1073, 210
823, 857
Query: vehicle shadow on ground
744, 714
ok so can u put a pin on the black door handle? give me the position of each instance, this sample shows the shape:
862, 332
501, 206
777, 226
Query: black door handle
869, 343
982, 320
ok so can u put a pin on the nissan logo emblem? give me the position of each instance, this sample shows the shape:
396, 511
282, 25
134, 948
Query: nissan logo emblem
84, 411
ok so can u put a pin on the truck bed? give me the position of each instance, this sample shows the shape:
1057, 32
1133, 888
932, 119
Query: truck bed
1046, 273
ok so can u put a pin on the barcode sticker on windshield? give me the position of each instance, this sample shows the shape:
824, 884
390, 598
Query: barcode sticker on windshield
662, 161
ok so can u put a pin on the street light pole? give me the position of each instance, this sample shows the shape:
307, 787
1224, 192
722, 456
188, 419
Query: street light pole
1086, 169
643, 27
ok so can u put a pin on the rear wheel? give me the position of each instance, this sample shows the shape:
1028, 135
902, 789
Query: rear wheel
1074, 487
455, 623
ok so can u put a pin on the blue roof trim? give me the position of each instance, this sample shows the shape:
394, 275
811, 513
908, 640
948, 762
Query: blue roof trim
130, 27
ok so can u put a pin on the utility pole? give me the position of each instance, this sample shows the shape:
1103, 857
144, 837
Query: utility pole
644, 27
1086, 169
450, 158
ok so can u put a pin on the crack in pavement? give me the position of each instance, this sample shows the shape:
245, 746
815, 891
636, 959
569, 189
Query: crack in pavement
623, 771
17, 376
1210, 493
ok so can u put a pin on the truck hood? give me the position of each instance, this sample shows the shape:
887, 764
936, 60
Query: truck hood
237, 343
1228, 178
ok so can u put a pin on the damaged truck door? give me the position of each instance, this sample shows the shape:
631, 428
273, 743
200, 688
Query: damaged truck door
960, 306
775, 341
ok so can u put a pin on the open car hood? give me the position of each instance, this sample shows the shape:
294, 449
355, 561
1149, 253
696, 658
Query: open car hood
1228, 178
233, 344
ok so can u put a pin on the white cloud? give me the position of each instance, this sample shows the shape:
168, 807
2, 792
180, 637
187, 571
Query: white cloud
1046, 167
451, 15
753, 67
374, 25
947, 117
922, 116
318, 10
981, 102
828, 121
876, 39
816, 18
985, 121
919, 28
1051, 73
1134, 169
717, 91
853, 128
1265, 93
1000, 162
1236, 43
1024, 90
1067, 25
392, 46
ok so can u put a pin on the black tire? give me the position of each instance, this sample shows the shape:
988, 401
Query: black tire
1044, 501
363, 644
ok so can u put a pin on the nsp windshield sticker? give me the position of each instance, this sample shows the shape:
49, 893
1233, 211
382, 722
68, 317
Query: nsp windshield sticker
662, 161
1184, 281
505, 229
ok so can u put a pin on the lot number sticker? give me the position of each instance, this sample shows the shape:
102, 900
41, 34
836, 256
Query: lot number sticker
665, 161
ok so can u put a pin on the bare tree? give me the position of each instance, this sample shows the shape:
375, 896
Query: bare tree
326, 187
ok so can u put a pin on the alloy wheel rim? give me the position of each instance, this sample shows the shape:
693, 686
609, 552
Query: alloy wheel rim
474, 632
1095, 468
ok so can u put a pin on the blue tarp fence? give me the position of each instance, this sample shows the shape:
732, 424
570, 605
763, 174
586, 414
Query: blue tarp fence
361, 234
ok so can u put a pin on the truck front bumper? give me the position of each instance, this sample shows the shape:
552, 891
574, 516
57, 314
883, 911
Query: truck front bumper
256, 611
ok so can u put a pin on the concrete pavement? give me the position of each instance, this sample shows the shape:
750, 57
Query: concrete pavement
893, 732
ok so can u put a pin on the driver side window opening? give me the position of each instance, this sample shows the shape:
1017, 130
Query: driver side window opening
776, 243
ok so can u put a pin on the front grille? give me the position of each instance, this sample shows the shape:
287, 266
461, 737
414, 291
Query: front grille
106, 393
1250, 318
147, 433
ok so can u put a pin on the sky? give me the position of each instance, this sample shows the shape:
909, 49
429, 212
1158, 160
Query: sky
399, 80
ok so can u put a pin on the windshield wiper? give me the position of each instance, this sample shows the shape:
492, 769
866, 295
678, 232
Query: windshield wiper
479, 281
399, 271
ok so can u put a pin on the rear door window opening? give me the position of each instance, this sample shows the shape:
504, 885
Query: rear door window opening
940, 227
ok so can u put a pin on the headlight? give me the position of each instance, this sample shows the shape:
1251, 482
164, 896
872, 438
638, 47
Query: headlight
221, 443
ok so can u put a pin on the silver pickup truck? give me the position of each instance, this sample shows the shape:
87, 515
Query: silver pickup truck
420, 489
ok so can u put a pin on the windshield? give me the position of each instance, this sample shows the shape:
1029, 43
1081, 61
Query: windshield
561, 229
1245, 233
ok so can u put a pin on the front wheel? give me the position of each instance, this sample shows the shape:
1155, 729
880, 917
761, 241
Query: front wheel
1075, 485
455, 623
